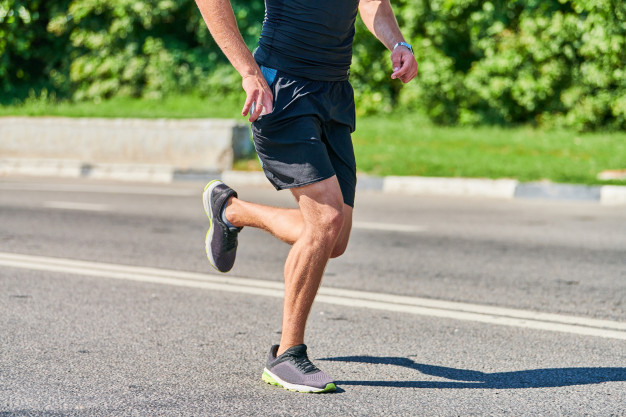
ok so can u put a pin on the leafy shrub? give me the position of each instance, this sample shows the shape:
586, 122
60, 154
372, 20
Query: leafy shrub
30, 56
143, 48
548, 62
507, 62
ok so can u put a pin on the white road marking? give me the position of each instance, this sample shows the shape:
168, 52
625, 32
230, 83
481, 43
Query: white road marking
388, 227
376, 301
69, 205
101, 189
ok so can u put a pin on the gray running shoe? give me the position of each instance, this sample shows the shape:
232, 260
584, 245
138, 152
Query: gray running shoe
294, 371
221, 240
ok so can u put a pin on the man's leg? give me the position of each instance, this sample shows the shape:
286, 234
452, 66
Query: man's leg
285, 224
321, 207
318, 230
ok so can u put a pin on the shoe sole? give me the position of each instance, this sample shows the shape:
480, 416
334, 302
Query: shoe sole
272, 379
206, 202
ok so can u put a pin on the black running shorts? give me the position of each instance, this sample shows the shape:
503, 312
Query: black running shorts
306, 138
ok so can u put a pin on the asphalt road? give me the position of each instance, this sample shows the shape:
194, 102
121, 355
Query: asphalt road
441, 306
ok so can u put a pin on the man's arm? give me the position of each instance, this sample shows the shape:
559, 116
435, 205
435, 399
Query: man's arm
220, 19
380, 20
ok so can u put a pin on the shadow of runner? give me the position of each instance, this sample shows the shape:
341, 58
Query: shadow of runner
463, 378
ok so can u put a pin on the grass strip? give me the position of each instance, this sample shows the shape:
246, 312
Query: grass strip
403, 144
411, 145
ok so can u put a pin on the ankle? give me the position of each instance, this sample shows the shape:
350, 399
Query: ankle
284, 346
230, 212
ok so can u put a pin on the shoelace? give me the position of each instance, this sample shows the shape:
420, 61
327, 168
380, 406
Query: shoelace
304, 364
230, 237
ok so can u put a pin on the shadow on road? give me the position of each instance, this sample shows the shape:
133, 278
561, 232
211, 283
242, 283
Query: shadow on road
463, 378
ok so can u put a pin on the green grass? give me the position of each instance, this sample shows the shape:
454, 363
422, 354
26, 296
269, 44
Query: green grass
411, 145
176, 107
404, 144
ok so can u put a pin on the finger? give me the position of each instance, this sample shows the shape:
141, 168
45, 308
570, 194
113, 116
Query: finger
396, 63
411, 73
247, 105
403, 69
268, 103
258, 109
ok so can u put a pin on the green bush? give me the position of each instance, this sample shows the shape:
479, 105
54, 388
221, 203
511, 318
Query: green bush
146, 48
30, 56
548, 62
555, 63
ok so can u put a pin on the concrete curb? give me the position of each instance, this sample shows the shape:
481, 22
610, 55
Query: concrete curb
195, 144
469, 187
165, 150
451, 186
506, 189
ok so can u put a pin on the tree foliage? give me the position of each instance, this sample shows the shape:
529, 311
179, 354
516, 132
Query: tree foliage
555, 62
508, 62
29, 54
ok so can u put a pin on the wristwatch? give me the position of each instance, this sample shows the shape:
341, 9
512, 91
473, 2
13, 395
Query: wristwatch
403, 44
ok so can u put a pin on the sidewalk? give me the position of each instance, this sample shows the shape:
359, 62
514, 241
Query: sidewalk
198, 150
469, 187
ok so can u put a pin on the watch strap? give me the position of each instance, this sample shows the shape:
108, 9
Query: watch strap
403, 44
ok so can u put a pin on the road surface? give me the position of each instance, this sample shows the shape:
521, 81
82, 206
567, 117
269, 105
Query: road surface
441, 306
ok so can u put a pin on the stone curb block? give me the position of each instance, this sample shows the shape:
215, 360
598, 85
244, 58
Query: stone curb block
549, 191
469, 187
613, 195
75, 169
195, 144
124, 172
247, 178
504, 188
41, 167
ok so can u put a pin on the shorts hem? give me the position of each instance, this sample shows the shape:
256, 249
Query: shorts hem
303, 184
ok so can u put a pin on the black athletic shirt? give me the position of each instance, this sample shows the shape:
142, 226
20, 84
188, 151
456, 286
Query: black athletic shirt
308, 38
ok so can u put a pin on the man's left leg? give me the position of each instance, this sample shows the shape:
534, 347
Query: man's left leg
321, 207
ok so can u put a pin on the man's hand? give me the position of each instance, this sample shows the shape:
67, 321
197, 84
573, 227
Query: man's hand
259, 97
220, 19
404, 64
380, 20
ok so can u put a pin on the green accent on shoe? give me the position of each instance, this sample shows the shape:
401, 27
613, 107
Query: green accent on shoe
209, 184
329, 387
267, 378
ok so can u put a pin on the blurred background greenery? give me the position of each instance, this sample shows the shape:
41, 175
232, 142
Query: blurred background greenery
545, 62
541, 83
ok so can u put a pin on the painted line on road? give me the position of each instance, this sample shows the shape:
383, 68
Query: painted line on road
69, 205
388, 227
376, 301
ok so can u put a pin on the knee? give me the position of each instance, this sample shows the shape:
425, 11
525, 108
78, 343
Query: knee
329, 224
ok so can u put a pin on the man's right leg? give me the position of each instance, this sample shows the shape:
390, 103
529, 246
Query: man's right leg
284, 223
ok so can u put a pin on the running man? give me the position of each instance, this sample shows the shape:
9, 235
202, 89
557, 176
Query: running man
301, 106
